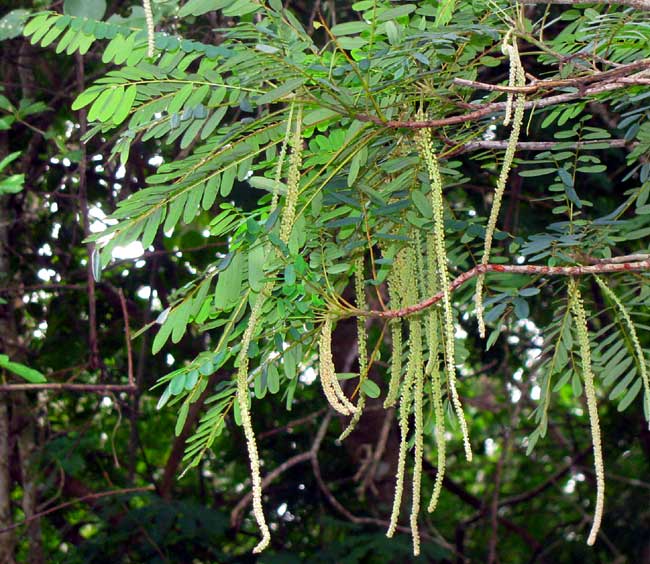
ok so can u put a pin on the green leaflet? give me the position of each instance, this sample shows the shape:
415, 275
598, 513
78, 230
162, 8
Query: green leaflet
11, 24
281, 91
256, 259
125, 104
31, 375
445, 11
112, 102
180, 98
213, 122
180, 320
151, 227
227, 180
210, 192
193, 203
349, 28
397, 12
229, 283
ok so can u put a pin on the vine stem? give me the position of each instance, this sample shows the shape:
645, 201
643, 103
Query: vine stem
531, 270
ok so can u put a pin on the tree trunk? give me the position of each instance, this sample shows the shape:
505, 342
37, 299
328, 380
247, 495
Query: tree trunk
16, 421
8, 539
29, 475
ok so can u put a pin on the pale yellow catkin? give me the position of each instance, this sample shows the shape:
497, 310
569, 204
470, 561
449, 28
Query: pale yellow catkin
243, 361
433, 369
512, 52
517, 78
293, 180
418, 394
395, 292
439, 415
362, 345
580, 319
283, 152
329, 382
406, 395
640, 357
418, 407
244, 410
423, 138
148, 18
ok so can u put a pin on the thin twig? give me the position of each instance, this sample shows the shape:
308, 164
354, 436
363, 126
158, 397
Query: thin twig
237, 512
553, 479
289, 426
89, 497
622, 72
378, 453
127, 337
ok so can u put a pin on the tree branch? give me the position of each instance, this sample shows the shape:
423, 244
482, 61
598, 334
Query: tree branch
536, 145
63, 386
637, 4
531, 270
89, 497
605, 82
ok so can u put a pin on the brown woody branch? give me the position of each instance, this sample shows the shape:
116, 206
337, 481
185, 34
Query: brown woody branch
537, 145
68, 387
530, 270
622, 72
607, 81
550, 481
638, 4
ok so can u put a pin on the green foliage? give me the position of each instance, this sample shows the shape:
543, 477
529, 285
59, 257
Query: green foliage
370, 186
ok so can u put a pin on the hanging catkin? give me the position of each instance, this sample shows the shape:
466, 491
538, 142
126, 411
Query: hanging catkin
580, 320
396, 292
418, 406
406, 395
283, 151
244, 410
293, 181
362, 345
148, 18
432, 370
423, 138
243, 393
517, 79
329, 382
